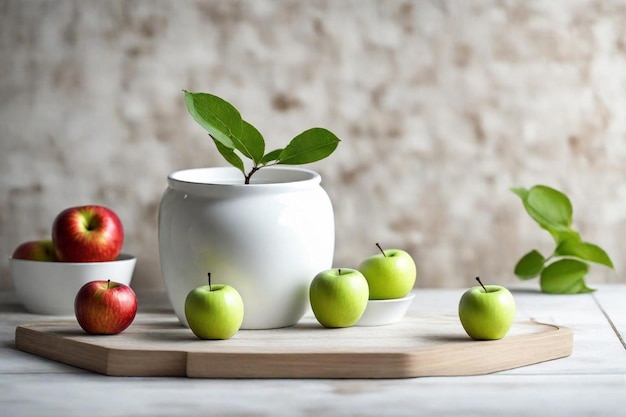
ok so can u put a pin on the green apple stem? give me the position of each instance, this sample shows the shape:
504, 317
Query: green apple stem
209, 274
481, 284
381, 250
339, 271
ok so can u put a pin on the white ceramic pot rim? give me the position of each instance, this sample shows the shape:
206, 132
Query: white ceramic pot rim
231, 176
266, 179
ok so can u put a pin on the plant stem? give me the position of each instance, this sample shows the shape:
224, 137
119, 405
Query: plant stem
252, 171
381, 250
255, 169
209, 274
481, 284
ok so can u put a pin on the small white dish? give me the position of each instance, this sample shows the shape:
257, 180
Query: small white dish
50, 287
382, 312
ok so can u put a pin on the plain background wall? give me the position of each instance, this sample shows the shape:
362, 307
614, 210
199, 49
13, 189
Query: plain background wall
442, 106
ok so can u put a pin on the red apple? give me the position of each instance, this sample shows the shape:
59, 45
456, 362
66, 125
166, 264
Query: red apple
87, 234
105, 307
36, 250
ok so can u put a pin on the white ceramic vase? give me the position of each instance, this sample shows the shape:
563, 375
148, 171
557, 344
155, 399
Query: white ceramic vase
267, 239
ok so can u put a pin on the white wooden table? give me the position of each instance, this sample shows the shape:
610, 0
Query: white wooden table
590, 382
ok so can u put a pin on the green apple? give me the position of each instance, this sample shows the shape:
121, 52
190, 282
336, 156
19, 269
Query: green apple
338, 297
487, 312
390, 274
214, 311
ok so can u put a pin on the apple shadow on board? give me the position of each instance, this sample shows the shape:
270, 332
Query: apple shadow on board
447, 338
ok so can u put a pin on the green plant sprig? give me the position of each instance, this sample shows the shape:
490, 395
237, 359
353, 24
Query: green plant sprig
234, 137
563, 271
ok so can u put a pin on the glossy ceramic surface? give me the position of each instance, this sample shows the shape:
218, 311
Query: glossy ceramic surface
382, 312
267, 239
50, 287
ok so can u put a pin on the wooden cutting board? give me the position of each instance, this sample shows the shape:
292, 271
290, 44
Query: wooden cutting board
419, 345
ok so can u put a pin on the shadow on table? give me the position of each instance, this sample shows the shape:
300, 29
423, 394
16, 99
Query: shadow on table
446, 338
12, 307
533, 291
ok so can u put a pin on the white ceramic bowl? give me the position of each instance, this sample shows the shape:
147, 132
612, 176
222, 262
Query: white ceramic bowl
381, 312
50, 287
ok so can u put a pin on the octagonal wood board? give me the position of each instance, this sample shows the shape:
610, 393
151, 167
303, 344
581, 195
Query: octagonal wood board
419, 345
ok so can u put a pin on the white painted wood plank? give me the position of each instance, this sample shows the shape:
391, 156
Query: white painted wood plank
612, 300
12, 314
588, 383
519, 395
597, 350
13, 361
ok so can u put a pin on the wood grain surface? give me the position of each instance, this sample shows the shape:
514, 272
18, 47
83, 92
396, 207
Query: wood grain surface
419, 345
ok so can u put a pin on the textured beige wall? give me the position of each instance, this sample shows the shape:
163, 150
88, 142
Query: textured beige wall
441, 105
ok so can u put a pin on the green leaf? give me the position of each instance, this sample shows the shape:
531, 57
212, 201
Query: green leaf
309, 146
217, 116
548, 207
565, 276
235, 138
521, 192
251, 144
561, 236
530, 265
585, 289
583, 250
271, 156
230, 156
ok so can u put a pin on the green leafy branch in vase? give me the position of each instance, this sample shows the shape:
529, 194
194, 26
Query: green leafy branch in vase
233, 137
564, 271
